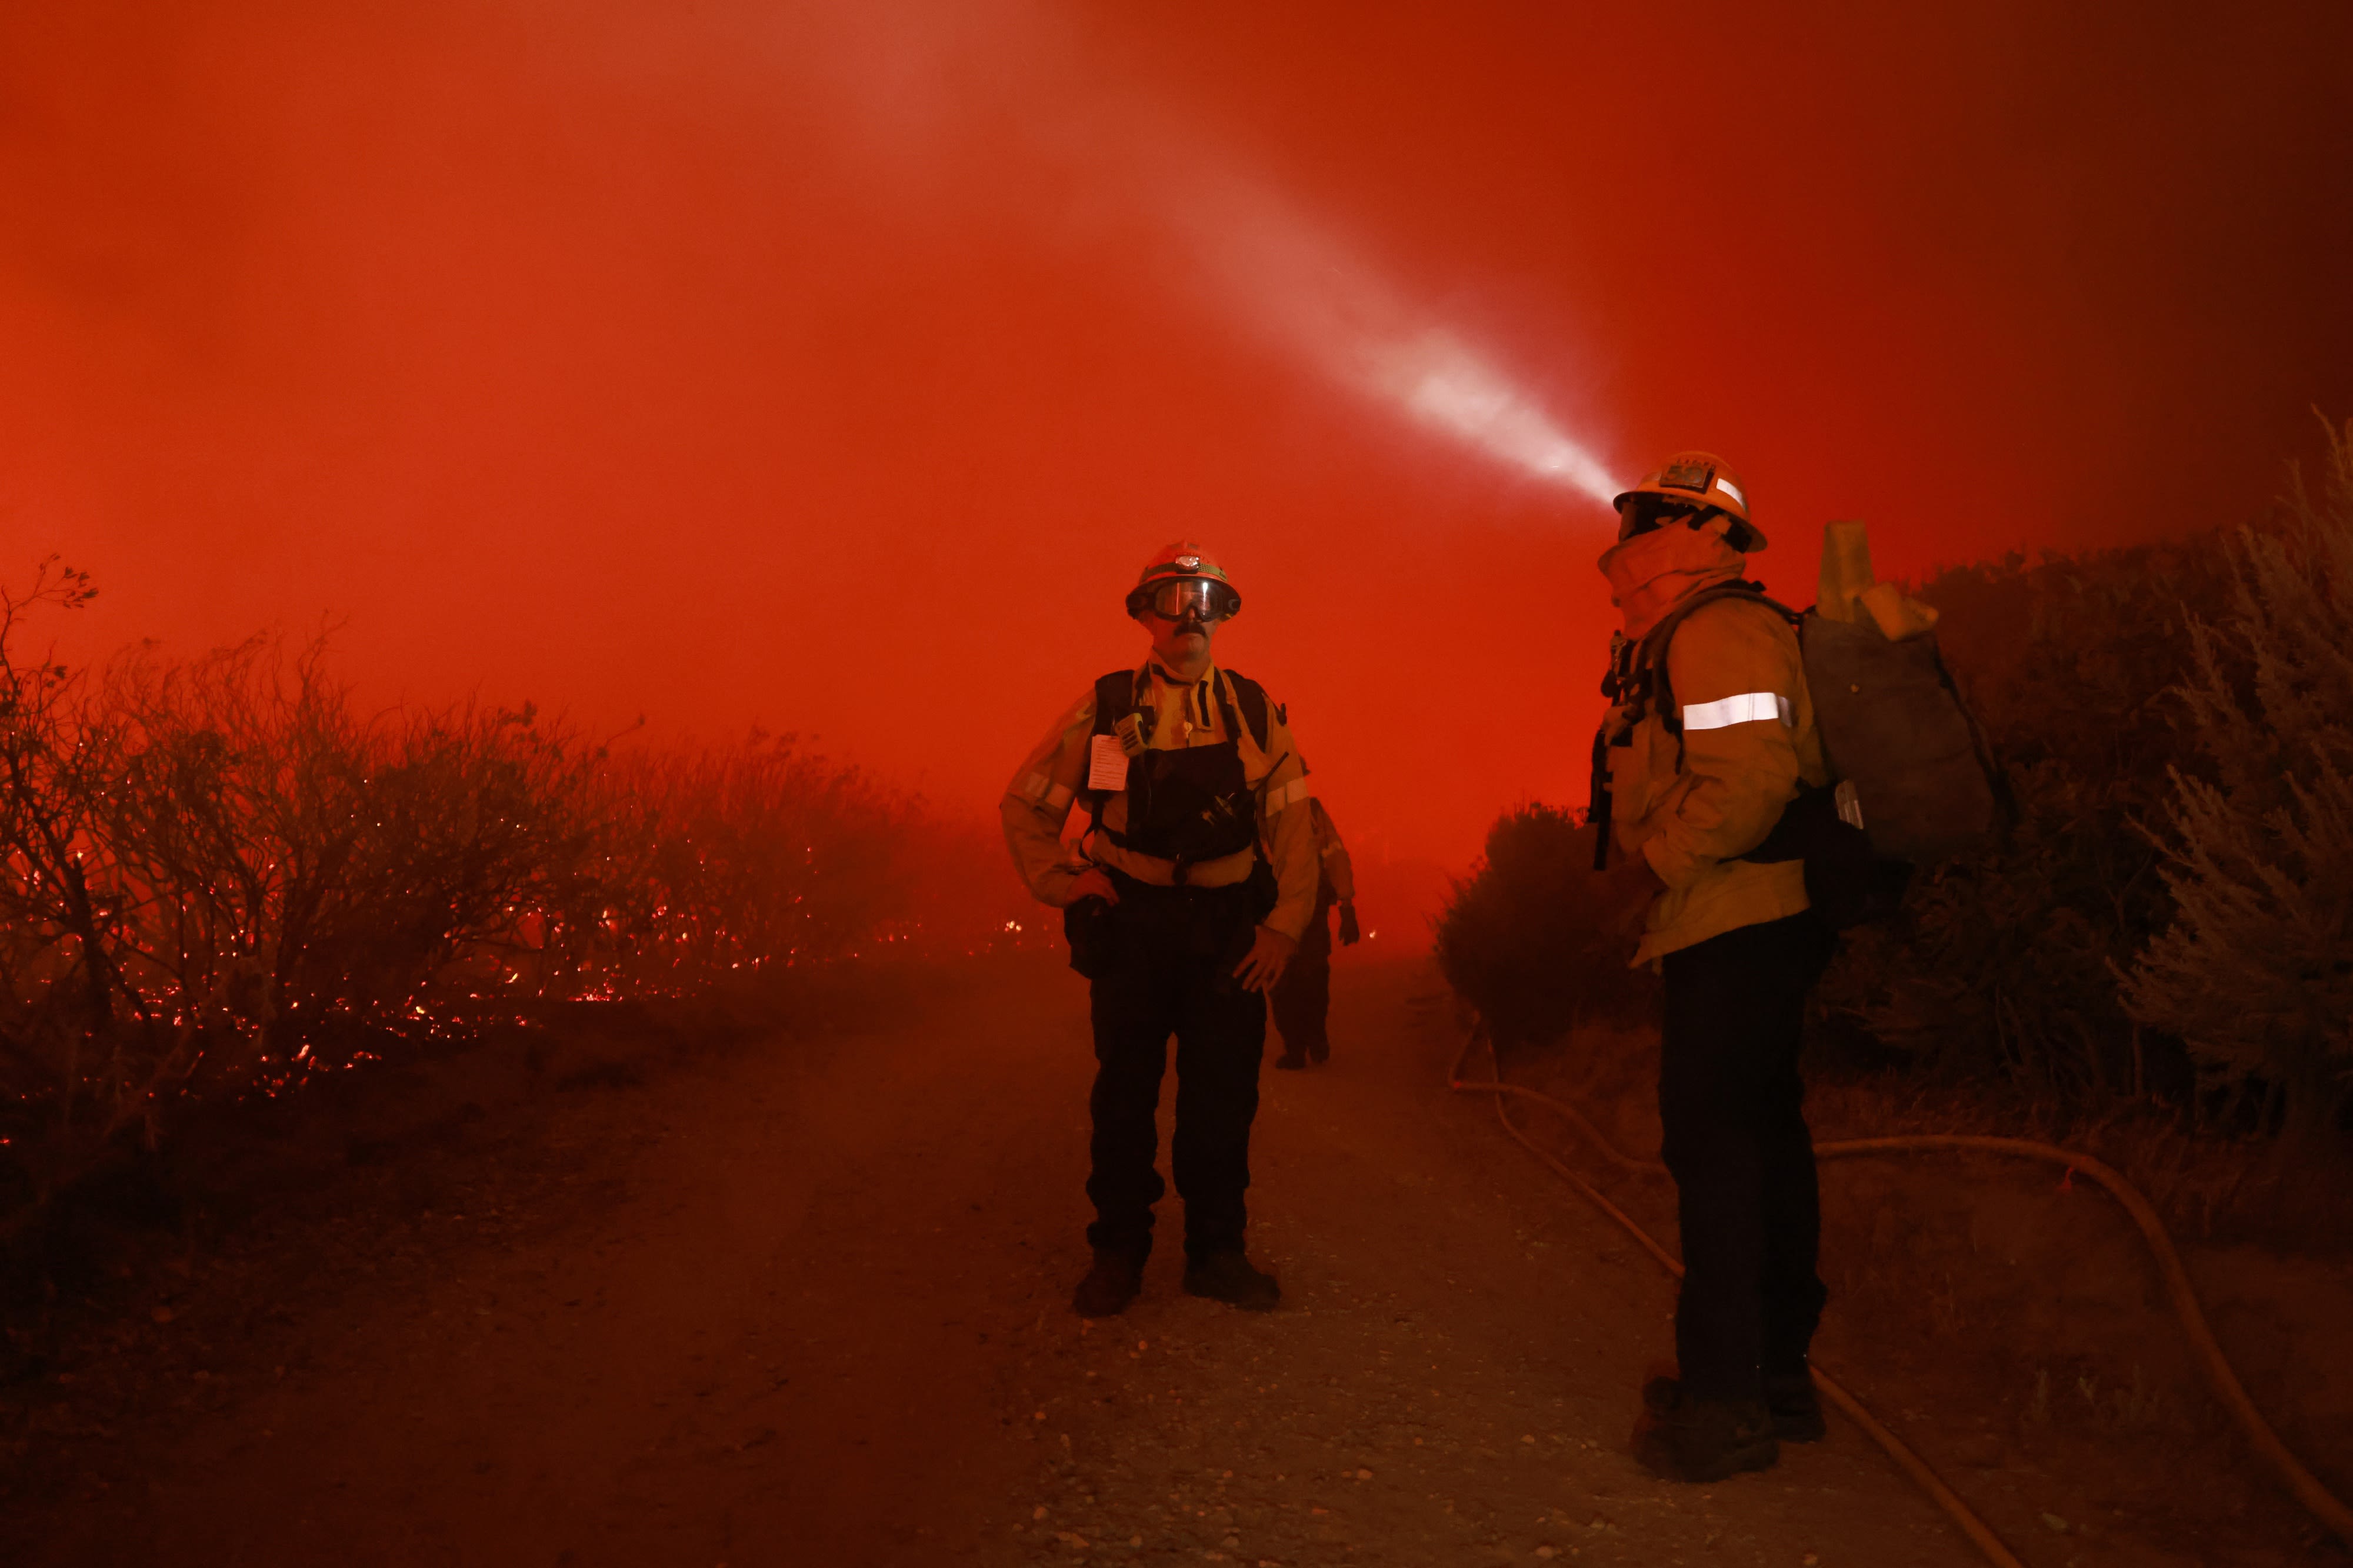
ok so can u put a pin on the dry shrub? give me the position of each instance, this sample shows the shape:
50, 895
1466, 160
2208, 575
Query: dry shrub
716, 860
303, 877
1526, 940
2198, 687
2255, 972
1999, 969
222, 876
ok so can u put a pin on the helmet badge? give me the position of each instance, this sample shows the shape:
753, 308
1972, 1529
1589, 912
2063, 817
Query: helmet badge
1684, 474
1189, 562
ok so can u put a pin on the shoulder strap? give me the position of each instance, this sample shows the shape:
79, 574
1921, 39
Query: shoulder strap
1251, 696
1114, 694
1652, 656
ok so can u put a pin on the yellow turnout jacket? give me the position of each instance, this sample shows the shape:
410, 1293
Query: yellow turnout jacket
1693, 805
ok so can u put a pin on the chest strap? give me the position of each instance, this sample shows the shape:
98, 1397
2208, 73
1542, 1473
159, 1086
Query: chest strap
1115, 697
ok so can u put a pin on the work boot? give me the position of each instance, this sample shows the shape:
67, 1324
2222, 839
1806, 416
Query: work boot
1109, 1286
1290, 1061
1320, 1052
1682, 1439
1796, 1408
1227, 1277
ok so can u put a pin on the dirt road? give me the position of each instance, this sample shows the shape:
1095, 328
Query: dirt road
818, 1315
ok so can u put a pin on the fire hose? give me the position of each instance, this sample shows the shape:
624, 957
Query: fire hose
2221, 1380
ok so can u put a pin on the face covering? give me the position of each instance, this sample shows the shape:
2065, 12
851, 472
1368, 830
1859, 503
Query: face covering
1651, 571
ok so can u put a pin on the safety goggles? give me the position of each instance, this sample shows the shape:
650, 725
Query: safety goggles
1641, 513
1186, 598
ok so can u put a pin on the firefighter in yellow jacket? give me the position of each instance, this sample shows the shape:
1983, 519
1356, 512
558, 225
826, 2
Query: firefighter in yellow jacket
1709, 744
1303, 1001
1183, 899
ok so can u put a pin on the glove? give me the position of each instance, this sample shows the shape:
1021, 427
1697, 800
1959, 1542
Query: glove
1350, 932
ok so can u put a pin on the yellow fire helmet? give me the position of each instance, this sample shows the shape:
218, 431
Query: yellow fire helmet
1692, 485
1184, 580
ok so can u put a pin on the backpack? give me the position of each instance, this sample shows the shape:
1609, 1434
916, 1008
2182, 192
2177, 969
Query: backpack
1914, 782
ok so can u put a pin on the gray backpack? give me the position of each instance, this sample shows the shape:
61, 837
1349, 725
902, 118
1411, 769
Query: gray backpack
1893, 726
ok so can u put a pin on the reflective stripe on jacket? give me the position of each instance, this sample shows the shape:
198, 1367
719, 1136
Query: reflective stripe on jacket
1693, 805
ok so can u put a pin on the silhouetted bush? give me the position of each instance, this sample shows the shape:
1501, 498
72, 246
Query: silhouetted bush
1525, 938
1999, 967
2255, 972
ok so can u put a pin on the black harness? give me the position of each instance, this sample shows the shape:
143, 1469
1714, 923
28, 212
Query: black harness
1638, 684
1187, 804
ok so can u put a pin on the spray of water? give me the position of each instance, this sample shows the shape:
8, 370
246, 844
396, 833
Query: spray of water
1293, 282
1253, 256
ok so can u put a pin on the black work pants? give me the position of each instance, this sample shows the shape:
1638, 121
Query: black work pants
1732, 1105
1302, 998
1170, 972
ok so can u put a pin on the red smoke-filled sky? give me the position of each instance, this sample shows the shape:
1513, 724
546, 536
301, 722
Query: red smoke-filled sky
834, 366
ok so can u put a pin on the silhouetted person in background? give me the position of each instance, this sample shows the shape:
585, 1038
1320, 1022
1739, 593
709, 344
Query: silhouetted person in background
1303, 998
1711, 739
1183, 900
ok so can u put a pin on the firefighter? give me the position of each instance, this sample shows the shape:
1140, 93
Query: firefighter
1185, 900
1710, 739
1304, 997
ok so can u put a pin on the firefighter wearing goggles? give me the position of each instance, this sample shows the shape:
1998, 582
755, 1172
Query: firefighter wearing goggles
1709, 739
1179, 598
1184, 898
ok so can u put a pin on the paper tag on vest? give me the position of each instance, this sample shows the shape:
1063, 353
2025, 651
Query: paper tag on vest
1107, 764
